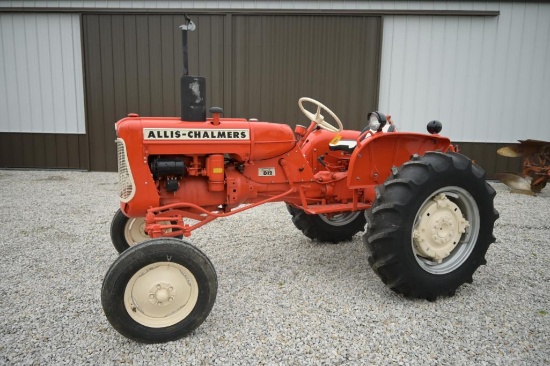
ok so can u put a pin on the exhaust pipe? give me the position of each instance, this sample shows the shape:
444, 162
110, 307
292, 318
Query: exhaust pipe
193, 88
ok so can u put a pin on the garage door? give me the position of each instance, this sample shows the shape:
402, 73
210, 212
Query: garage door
278, 59
257, 66
133, 65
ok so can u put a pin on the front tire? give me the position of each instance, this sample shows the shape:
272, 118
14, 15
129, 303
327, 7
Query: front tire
333, 228
431, 225
159, 290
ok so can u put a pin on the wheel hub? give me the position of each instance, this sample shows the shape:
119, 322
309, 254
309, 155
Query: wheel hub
162, 294
439, 228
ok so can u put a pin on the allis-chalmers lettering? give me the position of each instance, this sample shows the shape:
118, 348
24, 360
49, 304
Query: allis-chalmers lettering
194, 134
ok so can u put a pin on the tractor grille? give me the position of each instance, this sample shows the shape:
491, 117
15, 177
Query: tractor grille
126, 186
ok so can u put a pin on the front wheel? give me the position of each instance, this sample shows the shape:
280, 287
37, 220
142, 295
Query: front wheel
331, 228
431, 225
159, 290
127, 232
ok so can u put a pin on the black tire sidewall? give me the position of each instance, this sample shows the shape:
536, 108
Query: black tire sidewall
141, 255
118, 226
315, 228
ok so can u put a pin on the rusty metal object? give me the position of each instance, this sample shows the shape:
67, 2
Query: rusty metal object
536, 166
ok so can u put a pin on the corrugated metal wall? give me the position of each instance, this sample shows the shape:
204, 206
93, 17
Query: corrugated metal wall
41, 92
423, 55
133, 65
41, 87
278, 59
43, 150
253, 4
485, 78
256, 66
485, 155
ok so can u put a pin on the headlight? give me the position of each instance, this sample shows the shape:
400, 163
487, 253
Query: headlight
376, 121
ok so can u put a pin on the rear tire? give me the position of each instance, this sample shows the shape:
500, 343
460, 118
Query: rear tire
333, 229
418, 241
159, 290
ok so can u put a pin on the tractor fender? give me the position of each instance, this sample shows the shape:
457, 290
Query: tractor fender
372, 160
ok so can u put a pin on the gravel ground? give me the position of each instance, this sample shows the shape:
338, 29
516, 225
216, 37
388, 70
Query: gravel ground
281, 300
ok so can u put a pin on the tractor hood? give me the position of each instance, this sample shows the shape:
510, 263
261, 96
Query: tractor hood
244, 140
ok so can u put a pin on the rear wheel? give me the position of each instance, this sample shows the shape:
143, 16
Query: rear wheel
333, 228
431, 225
159, 290
127, 232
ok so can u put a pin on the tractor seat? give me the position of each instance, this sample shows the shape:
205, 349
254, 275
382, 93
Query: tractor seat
343, 145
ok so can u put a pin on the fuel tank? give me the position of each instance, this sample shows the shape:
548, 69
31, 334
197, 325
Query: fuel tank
242, 139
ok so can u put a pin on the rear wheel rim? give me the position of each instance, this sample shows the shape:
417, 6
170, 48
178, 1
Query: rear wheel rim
340, 219
161, 294
469, 209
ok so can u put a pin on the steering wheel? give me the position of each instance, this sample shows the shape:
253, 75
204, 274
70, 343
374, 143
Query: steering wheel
318, 117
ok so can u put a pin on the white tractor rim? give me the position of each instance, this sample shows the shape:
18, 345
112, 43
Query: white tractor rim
161, 294
446, 225
134, 231
340, 219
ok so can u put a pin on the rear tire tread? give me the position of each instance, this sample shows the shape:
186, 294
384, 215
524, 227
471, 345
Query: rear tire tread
386, 239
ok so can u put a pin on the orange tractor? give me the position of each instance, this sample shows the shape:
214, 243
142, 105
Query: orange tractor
427, 210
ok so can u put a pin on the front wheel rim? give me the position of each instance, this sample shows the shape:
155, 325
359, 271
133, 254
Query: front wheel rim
468, 208
134, 231
161, 294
